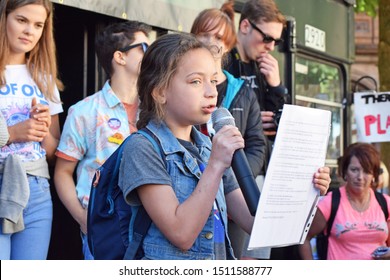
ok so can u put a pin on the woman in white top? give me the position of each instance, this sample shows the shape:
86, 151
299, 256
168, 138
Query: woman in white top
29, 126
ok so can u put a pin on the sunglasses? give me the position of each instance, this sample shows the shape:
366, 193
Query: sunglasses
127, 48
266, 38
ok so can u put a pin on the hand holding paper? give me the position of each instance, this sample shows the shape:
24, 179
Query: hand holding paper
288, 200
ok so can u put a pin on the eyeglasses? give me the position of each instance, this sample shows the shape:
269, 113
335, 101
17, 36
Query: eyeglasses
127, 48
266, 38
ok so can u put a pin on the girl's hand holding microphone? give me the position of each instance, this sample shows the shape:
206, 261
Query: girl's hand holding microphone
225, 142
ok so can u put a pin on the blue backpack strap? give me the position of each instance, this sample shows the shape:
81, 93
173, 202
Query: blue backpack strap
115, 173
141, 225
142, 220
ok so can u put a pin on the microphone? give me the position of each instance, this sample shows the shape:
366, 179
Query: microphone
240, 165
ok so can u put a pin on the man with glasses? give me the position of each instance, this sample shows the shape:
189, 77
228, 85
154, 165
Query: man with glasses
97, 125
260, 30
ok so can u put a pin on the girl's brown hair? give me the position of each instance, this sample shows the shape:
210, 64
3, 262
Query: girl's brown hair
158, 67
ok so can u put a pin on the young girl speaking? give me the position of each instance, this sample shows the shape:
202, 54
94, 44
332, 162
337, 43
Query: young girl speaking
183, 193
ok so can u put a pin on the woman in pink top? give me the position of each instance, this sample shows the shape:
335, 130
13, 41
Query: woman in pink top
359, 226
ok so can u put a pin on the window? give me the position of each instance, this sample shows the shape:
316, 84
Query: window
319, 85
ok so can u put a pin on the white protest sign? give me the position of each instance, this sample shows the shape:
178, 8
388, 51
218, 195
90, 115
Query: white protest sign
372, 113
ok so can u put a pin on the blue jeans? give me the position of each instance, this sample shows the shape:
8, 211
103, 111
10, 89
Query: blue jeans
32, 243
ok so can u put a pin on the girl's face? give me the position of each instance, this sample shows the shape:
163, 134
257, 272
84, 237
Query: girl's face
356, 177
191, 96
24, 29
213, 39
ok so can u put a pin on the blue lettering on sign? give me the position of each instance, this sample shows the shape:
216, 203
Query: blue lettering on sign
8, 89
4, 90
27, 90
38, 92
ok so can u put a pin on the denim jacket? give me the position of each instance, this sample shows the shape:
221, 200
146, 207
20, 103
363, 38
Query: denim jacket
185, 174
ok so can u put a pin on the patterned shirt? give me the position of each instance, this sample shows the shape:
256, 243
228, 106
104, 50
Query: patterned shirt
15, 104
94, 128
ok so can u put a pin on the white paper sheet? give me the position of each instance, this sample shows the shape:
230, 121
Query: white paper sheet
288, 199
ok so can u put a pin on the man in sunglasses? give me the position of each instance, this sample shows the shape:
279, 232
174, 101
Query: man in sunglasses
97, 125
260, 30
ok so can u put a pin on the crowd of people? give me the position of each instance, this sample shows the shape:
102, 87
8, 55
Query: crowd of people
169, 87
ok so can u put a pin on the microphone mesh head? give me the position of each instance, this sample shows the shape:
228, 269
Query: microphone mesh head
221, 117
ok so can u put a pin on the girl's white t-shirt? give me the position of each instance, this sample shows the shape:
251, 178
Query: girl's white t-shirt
15, 103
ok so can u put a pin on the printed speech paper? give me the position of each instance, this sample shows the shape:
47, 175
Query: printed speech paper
289, 200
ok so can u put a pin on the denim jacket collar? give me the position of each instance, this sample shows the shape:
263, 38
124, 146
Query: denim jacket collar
170, 144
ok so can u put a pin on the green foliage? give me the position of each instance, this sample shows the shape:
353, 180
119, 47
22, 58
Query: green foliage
367, 6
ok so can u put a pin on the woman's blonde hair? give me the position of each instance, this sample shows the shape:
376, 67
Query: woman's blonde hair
41, 60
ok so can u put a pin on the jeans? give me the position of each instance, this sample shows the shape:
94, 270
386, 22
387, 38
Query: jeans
32, 243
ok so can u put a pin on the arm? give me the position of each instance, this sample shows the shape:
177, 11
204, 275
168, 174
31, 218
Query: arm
181, 223
322, 179
387, 255
269, 67
318, 225
274, 101
41, 113
40, 127
50, 142
274, 97
238, 210
28, 130
254, 136
275, 92
66, 189
388, 236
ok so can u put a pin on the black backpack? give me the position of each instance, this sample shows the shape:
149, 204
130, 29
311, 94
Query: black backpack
322, 239
109, 215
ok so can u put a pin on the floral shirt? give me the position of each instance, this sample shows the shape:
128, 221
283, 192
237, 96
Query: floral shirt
93, 130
